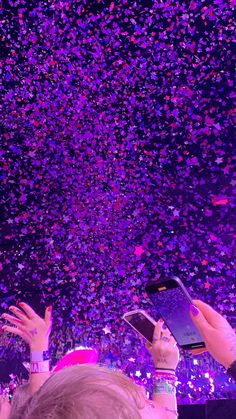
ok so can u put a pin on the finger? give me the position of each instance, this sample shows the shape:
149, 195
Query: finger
48, 316
157, 330
212, 317
28, 310
198, 351
165, 329
12, 319
200, 321
18, 313
17, 331
148, 345
172, 340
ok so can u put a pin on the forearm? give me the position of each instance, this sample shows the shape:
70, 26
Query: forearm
39, 366
37, 380
165, 391
168, 402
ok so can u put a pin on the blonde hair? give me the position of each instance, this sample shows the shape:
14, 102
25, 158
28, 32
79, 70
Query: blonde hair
85, 392
21, 395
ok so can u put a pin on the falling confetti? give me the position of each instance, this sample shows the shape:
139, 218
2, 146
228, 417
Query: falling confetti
118, 166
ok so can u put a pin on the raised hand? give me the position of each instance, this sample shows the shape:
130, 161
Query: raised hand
29, 325
163, 349
219, 336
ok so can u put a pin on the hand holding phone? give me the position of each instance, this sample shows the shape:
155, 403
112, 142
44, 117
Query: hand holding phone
141, 322
172, 302
219, 336
160, 343
163, 349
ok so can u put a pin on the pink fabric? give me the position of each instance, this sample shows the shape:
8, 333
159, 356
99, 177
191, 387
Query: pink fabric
78, 356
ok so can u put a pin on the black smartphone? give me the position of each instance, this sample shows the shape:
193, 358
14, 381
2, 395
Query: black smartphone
172, 302
141, 322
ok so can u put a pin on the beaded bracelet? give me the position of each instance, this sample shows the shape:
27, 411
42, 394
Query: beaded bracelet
165, 375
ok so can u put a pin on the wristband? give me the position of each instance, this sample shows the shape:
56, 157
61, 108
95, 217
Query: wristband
39, 356
165, 376
39, 367
164, 387
164, 369
232, 370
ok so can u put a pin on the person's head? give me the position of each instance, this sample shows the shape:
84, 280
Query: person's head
85, 392
20, 397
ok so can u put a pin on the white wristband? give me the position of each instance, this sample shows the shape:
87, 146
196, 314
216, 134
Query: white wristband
39, 356
39, 367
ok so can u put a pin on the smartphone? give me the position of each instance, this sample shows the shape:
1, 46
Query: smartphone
141, 322
172, 302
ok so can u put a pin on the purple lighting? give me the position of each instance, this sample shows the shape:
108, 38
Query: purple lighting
118, 166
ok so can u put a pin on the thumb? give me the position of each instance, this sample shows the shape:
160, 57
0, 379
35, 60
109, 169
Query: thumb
199, 320
48, 315
212, 317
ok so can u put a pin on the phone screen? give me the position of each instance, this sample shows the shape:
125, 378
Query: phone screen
142, 324
173, 306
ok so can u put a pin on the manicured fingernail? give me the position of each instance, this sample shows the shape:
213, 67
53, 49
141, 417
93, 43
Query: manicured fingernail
21, 303
164, 327
194, 310
49, 308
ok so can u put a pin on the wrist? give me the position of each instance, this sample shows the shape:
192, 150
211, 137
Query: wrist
39, 346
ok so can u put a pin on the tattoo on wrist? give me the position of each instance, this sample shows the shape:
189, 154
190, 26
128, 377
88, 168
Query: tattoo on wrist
34, 332
161, 360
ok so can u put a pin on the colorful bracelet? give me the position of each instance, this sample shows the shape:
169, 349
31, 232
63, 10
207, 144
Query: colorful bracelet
39, 356
39, 367
165, 375
164, 387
